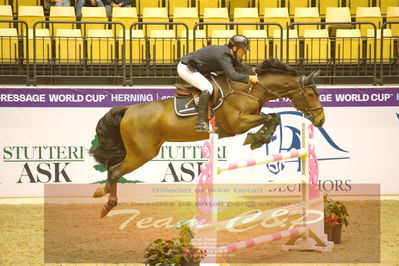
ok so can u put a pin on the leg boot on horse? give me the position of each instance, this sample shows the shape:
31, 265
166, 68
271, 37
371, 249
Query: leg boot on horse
265, 134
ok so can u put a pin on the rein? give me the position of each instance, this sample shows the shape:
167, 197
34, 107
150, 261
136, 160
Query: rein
231, 91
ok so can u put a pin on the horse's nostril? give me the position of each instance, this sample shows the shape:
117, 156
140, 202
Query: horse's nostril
321, 122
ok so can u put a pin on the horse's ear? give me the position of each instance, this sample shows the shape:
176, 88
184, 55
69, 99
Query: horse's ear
317, 73
308, 80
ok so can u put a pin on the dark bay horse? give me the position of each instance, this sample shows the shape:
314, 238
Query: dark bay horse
130, 136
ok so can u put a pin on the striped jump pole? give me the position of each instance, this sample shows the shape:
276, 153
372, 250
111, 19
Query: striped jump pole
292, 154
262, 239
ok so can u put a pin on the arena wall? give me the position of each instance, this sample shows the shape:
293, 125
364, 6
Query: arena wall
46, 133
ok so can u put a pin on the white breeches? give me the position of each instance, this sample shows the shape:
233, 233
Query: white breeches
194, 78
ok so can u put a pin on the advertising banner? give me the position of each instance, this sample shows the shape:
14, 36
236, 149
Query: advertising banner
46, 134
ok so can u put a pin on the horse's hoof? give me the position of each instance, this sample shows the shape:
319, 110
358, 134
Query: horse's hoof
99, 193
104, 211
256, 145
112, 202
249, 139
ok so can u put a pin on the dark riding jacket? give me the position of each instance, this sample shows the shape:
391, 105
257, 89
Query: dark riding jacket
214, 58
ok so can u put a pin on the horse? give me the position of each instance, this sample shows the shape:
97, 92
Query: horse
130, 136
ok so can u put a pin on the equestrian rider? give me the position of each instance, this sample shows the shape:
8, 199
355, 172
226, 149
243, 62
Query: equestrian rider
195, 65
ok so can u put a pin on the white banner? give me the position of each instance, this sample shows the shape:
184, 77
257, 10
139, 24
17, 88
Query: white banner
50, 145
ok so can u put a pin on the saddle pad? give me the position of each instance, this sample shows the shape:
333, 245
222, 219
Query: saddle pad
184, 111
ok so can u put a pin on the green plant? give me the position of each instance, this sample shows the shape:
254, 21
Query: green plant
174, 252
335, 212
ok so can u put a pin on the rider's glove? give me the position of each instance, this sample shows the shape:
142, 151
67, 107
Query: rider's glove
253, 79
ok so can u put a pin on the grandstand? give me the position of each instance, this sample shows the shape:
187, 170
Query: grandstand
343, 38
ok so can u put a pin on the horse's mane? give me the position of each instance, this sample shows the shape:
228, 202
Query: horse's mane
274, 66
268, 66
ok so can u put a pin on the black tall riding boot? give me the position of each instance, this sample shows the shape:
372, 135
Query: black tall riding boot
203, 122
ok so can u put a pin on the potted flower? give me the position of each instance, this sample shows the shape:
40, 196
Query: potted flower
178, 252
335, 215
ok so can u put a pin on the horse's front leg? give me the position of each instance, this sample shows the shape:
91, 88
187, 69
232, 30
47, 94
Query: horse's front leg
264, 134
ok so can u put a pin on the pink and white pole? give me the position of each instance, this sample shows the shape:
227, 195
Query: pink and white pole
262, 239
226, 166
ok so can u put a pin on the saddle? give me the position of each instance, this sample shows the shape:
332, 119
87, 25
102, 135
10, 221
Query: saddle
187, 98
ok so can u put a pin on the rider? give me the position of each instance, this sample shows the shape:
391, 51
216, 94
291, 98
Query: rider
194, 65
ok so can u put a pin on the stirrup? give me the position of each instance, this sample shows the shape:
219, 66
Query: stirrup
202, 126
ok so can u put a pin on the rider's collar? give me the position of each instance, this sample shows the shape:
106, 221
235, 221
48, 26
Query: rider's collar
229, 51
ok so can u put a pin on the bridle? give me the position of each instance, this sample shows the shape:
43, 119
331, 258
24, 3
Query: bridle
306, 111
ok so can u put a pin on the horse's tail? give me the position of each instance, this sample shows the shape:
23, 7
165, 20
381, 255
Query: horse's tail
110, 150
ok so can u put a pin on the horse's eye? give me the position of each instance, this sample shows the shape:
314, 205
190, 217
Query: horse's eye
311, 94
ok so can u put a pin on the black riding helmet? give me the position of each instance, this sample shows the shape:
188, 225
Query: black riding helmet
239, 41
